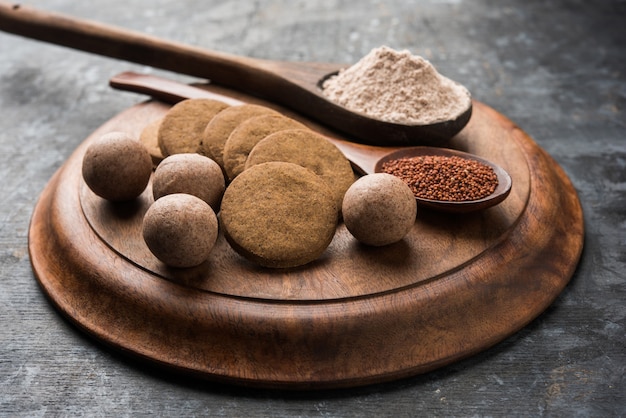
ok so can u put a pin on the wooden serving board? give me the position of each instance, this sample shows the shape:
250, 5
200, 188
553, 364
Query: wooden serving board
456, 285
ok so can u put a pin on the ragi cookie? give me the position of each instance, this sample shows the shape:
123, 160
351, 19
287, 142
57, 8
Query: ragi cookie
218, 130
279, 214
308, 149
182, 126
247, 135
149, 137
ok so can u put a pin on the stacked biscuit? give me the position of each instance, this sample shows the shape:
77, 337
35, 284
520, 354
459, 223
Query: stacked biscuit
278, 187
285, 182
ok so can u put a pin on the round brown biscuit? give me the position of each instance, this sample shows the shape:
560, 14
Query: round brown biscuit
249, 133
182, 126
218, 130
149, 137
308, 149
279, 215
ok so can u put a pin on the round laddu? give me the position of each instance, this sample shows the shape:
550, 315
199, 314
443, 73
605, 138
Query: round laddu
149, 137
190, 173
180, 230
218, 130
279, 215
308, 149
182, 126
379, 209
117, 167
247, 135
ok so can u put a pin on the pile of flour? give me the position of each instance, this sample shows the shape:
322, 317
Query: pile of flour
396, 86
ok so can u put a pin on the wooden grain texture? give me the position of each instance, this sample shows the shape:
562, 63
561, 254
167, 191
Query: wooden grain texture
456, 285
554, 67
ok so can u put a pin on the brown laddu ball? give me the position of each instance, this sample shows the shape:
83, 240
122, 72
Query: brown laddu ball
379, 209
117, 167
190, 173
180, 230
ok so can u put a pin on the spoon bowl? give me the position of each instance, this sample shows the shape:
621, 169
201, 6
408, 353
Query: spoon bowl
296, 85
368, 159
368, 130
365, 159
454, 206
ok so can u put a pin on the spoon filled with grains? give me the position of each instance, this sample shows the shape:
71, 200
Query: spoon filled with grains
448, 180
441, 179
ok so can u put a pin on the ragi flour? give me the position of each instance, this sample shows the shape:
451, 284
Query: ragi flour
396, 86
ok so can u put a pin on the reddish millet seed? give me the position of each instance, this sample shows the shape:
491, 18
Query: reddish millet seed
444, 178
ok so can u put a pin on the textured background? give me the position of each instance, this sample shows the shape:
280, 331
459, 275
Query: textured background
554, 67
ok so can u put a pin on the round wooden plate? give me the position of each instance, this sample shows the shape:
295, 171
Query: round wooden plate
456, 285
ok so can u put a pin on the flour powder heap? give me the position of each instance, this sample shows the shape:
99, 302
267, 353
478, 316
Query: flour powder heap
398, 87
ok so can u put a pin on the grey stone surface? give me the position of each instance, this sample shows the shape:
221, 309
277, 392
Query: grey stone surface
554, 67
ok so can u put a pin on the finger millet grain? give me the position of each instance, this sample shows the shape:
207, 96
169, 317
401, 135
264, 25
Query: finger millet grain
445, 178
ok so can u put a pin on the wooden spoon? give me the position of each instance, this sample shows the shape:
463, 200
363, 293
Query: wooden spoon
366, 159
293, 84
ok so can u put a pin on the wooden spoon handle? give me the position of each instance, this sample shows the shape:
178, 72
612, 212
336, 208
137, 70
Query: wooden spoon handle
163, 89
269, 79
115, 42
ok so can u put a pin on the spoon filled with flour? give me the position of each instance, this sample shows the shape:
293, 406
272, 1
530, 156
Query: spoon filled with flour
398, 87
415, 105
